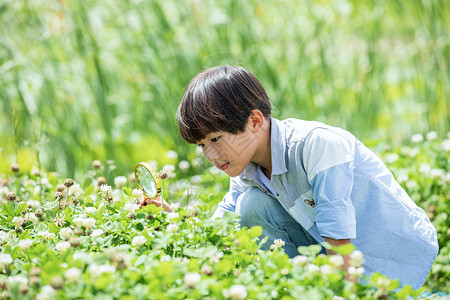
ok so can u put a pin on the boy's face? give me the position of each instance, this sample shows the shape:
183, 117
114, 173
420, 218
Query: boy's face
230, 152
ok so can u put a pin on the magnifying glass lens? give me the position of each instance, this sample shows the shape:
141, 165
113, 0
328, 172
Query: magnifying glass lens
146, 181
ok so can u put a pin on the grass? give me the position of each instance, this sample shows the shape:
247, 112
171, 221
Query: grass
102, 80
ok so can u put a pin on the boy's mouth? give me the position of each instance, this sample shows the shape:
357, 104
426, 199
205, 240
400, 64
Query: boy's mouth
223, 167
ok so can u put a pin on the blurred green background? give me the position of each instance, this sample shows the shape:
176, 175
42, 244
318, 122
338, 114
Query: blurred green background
84, 80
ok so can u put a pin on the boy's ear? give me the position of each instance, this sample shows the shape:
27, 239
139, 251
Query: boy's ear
256, 120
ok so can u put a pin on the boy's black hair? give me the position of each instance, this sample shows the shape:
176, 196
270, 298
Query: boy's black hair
220, 99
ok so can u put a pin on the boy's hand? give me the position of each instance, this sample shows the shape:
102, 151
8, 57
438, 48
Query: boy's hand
346, 258
156, 201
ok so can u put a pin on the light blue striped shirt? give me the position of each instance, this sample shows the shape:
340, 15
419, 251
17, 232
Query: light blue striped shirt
336, 187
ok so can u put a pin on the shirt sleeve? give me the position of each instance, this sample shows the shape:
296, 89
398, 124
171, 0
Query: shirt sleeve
228, 202
328, 159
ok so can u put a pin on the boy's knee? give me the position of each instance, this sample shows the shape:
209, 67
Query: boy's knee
253, 206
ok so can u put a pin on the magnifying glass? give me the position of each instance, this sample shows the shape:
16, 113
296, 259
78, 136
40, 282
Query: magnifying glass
147, 180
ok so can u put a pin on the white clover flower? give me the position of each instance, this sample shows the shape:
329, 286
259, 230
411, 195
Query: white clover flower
65, 233
120, 181
31, 217
424, 168
131, 207
137, 193
172, 228
274, 294
300, 260
313, 269
414, 151
417, 138
18, 221
62, 246
104, 188
17, 279
166, 258
401, 178
355, 271
90, 210
383, 283
97, 270
75, 190
83, 256
72, 274
175, 206
138, 240
356, 258
278, 243
190, 235
237, 292
446, 145
34, 204
25, 244
3, 236
391, 158
197, 162
168, 168
46, 235
78, 221
153, 164
436, 173
191, 280
325, 269
337, 298
47, 293
88, 223
198, 151
5, 260
96, 233
196, 179
172, 154
412, 184
44, 181
172, 215
432, 135
184, 165
336, 260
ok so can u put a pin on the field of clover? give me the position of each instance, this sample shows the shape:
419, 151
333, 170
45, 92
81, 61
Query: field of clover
66, 239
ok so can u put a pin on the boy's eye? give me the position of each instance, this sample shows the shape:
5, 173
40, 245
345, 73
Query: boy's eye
215, 139
200, 145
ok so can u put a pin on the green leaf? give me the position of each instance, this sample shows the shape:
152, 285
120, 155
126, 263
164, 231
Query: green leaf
404, 292
224, 266
139, 226
128, 191
344, 249
7, 209
41, 227
89, 191
309, 251
100, 212
53, 228
255, 231
21, 208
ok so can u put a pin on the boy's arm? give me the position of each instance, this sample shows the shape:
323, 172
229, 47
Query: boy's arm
328, 160
228, 202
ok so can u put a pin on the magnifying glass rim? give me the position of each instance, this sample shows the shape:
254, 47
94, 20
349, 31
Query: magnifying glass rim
154, 176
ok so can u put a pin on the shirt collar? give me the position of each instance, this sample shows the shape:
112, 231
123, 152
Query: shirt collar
277, 149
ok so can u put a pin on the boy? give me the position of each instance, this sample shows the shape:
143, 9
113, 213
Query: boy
304, 182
